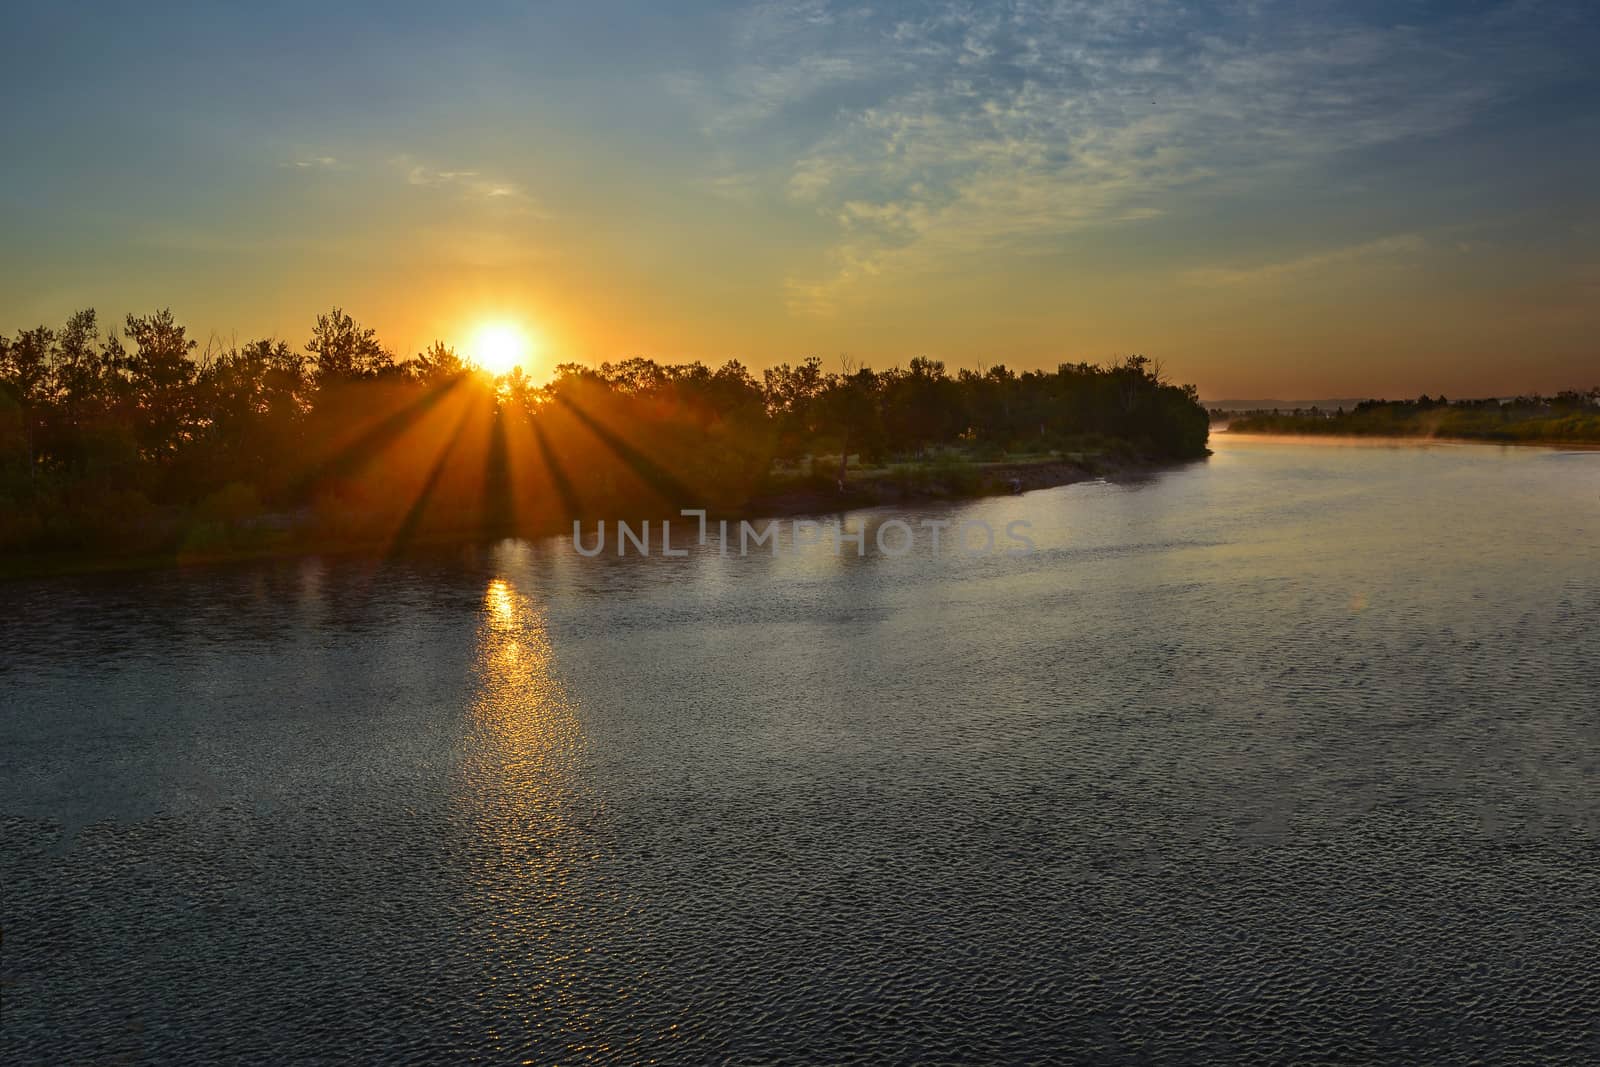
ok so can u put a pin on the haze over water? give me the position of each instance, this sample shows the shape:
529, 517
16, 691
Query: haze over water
1288, 751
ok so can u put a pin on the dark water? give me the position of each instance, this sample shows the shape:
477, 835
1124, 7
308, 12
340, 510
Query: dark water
1288, 754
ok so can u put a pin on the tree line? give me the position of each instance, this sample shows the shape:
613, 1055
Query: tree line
135, 439
1568, 416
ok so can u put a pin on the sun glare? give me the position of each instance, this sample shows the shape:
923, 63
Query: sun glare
497, 347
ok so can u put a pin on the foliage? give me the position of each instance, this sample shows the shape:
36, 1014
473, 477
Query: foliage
132, 440
1569, 416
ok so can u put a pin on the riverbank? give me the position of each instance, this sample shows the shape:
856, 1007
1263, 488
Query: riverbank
1415, 438
789, 493
936, 481
1573, 420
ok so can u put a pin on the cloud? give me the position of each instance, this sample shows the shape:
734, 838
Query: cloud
932, 130
468, 184
1384, 248
315, 163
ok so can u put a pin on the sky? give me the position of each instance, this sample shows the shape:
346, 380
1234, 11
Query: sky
1275, 199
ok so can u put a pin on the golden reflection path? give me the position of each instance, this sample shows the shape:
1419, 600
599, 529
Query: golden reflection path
534, 891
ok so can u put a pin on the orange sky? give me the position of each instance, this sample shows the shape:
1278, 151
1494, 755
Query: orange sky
1286, 204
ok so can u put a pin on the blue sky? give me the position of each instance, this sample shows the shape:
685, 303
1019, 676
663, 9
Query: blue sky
1295, 197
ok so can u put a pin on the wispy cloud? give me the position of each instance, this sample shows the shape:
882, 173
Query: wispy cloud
1385, 248
791, 53
314, 163
468, 184
937, 129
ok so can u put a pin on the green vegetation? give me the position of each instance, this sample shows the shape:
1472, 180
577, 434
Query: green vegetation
131, 443
1568, 417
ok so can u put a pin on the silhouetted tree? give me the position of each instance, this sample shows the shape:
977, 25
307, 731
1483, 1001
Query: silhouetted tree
345, 351
160, 372
439, 364
848, 408
143, 444
25, 369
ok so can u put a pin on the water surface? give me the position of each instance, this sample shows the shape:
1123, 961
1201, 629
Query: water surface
1290, 752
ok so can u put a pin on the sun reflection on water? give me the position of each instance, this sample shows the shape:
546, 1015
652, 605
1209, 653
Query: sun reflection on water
531, 822
525, 743
501, 603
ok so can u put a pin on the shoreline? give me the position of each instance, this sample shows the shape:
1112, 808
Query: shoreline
1412, 439
911, 485
884, 487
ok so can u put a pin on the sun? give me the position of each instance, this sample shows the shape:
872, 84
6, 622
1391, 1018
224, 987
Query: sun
497, 347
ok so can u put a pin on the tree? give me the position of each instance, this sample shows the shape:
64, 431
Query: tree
161, 373
438, 365
88, 376
25, 371
25, 363
849, 407
791, 396
636, 376
346, 351
920, 405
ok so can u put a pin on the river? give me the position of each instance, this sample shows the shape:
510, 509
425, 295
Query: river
1290, 752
